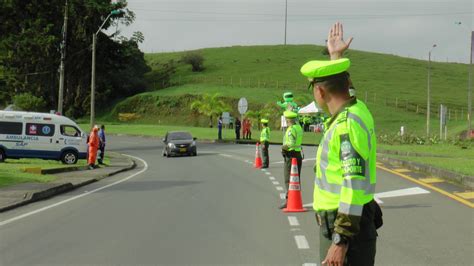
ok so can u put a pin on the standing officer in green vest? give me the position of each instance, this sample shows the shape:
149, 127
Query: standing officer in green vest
265, 142
291, 148
345, 163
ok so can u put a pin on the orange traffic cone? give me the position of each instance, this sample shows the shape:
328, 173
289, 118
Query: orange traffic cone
258, 158
295, 203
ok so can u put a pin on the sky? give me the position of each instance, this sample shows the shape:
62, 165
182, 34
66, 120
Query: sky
407, 28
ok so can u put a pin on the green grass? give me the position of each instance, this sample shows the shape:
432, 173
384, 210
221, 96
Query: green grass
445, 150
11, 171
460, 165
200, 132
387, 76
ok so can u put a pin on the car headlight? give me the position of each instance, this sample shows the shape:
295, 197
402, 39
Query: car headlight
171, 145
193, 143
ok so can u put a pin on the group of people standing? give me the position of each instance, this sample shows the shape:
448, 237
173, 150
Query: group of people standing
96, 142
246, 126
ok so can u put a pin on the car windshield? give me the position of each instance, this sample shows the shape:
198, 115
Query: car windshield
179, 136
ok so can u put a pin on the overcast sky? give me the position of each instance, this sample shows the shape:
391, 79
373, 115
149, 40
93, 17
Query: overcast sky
407, 28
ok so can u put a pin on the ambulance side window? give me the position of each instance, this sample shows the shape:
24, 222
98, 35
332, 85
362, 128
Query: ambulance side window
70, 131
41, 130
11, 128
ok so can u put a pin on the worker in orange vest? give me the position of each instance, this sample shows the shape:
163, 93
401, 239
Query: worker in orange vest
93, 147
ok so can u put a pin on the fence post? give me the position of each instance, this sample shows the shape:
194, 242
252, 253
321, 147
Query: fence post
456, 114
366, 93
417, 108
396, 102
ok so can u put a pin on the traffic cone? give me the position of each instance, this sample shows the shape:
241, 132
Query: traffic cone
258, 158
295, 202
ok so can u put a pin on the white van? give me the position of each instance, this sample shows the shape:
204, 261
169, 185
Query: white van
41, 135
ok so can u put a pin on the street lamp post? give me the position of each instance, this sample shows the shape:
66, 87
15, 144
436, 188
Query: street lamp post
428, 106
94, 42
469, 86
286, 17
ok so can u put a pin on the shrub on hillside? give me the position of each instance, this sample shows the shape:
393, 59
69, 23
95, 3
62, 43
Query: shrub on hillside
29, 102
195, 60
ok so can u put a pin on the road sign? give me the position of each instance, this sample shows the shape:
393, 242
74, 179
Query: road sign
243, 105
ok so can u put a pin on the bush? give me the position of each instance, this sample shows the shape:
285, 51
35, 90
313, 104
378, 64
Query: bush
195, 60
29, 102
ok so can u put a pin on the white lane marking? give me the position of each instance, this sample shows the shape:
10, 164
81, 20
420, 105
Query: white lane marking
394, 193
402, 192
276, 183
283, 195
264, 170
247, 161
271, 177
278, 162
268, 173
301, 242
279, 188
310, 264
293, 221
226, 155
76, 197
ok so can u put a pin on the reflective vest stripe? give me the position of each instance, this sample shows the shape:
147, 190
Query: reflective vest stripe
323, 182
350, 209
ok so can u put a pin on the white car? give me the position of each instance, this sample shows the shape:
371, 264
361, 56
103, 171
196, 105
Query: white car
41, 135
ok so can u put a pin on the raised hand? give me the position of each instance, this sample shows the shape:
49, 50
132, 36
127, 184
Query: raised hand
336, 44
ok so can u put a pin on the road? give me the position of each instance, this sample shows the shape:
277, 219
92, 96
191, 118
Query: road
217, 209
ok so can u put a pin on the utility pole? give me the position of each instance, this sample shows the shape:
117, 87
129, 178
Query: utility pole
61, 66
469, 94
428, 106
286, 17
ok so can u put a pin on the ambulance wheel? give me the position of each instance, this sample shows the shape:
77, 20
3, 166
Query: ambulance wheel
69, 157
2, 156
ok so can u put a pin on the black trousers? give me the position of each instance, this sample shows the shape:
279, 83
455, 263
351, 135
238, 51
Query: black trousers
101, 154
287, 166
362, 247
265, 156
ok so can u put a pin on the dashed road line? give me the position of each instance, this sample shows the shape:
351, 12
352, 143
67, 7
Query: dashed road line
414, 180
268, 173
301, 242
276, 183
272, 178
279, 188
282, 195
402, 170
310, 264
431, 180
465, 195
293, 221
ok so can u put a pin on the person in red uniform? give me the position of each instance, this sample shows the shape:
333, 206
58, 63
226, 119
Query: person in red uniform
93, 147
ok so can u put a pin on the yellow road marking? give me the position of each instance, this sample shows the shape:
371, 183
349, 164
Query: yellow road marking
431, 180
465, 195
447, 194
402, 170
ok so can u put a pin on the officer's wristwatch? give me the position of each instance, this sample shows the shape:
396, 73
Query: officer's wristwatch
338, 239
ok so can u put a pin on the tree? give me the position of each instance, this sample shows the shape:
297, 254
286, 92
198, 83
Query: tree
210, 106
265, 112
195, 60
31, 34
29, 102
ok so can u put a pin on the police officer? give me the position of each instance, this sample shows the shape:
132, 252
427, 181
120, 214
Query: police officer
345, 163
264, 141
291, 148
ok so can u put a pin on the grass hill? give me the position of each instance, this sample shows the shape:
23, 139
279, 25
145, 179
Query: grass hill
390, 84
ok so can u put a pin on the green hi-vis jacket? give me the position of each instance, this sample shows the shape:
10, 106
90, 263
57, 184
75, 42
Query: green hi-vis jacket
293, 137
265, 134
345, 166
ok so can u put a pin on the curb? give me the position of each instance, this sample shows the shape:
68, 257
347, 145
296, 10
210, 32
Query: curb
62, 188
465, 180
408, 153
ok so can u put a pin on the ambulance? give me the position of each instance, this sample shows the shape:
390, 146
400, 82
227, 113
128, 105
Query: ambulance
41, 135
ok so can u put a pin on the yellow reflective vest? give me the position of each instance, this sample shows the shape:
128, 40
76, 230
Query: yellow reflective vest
346, 162
265, 134
293, 137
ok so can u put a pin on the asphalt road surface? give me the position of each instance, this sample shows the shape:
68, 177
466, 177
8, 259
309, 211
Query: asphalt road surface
216, 209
